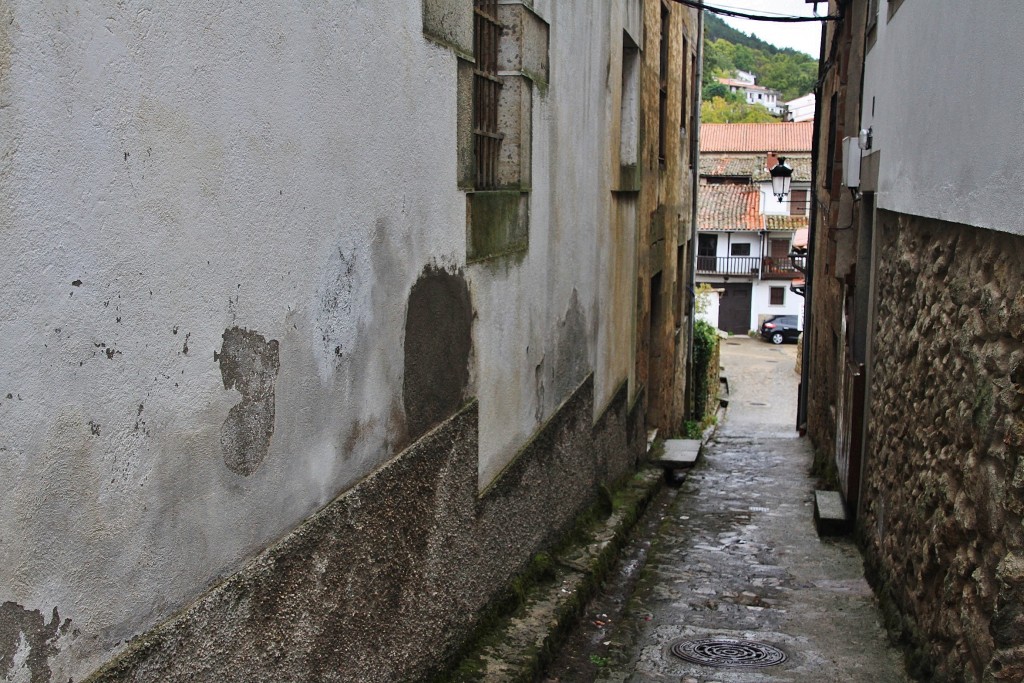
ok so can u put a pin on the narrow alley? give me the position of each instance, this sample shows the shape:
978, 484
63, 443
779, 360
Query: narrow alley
737, 558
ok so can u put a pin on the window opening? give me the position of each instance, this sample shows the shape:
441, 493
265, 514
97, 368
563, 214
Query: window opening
629, 121
778, 296
486, 93
798, 203
663, 86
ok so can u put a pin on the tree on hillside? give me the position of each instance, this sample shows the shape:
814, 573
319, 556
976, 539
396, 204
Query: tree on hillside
733, 110
790, 72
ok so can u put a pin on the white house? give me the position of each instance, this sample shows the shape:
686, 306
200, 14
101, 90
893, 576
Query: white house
800, 109
756, 94
745, 234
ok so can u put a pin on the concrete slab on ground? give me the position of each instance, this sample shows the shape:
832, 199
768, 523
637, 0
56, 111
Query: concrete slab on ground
680, 453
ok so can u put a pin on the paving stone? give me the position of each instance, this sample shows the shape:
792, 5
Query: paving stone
737, 557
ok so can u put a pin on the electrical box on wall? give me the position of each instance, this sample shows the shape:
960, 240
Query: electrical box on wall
851, 162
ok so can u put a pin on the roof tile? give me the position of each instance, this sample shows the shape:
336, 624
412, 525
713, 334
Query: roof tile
729, 207
756, 137
752, 166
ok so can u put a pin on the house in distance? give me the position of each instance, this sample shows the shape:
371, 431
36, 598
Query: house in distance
745, 233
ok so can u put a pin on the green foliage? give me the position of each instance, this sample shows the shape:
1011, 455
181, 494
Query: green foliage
727, 50
723, 110
715, 28
705, 341
702, 301
598, 660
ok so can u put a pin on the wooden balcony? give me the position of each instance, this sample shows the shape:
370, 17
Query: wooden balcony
729, 265
769, 268
779, 268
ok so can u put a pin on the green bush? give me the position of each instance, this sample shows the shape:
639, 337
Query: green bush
705, 353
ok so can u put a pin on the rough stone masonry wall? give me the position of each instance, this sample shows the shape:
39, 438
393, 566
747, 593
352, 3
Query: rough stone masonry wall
944, 479
387, 581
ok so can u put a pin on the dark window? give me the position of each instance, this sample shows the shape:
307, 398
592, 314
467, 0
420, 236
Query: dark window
629, 115
684, 82
778, 297
798, 203
707, 245
830, 159
740, 250
778, 248
663, 85
693, 120
486, 91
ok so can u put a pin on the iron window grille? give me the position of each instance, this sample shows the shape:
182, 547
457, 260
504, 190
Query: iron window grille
486, 93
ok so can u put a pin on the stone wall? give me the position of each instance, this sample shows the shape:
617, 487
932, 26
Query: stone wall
943, 500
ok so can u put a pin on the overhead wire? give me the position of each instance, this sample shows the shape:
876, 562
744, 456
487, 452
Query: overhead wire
755, 17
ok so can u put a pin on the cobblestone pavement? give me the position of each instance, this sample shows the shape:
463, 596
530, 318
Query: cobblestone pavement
737, 556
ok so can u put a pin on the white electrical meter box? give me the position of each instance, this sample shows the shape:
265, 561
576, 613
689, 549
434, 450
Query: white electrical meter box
851, 162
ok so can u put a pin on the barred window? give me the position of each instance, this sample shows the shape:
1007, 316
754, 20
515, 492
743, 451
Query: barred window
486, 93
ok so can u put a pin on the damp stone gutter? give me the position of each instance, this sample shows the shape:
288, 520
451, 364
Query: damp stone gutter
554, 590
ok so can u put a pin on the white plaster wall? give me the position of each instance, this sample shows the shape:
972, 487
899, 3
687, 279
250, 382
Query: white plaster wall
761, 306
712, 302
287, 168
727, 239
527, 361
944, 95
770, 204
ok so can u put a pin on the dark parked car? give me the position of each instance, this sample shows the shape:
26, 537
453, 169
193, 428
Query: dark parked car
780, 328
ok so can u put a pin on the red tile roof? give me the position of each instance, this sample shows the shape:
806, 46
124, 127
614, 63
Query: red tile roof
775, 222
752, 165
729, 207
756, 137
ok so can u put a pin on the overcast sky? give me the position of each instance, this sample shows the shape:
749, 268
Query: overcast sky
805, 37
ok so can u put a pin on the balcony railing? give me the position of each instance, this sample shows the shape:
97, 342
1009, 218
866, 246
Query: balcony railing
769, 267
728, 265
779, 267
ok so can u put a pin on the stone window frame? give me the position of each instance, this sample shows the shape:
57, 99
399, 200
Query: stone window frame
630, 138
497, 211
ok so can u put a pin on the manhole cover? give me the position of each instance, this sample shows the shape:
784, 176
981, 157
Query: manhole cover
727, 652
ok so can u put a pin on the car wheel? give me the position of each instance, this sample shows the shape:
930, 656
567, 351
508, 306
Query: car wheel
777, 338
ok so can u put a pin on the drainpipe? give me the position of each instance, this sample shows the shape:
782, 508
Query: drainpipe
805, 362
694, 188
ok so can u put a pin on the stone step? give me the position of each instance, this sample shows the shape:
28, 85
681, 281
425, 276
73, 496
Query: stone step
680, 453
830, 518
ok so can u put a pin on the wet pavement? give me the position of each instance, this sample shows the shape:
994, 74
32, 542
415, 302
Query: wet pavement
732, 564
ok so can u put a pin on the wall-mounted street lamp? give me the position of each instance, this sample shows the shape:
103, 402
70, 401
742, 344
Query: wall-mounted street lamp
782, 177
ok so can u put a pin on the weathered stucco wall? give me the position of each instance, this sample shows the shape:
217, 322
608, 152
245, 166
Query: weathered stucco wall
207, 270
386, 582
943, 109
944, 476
236, 286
